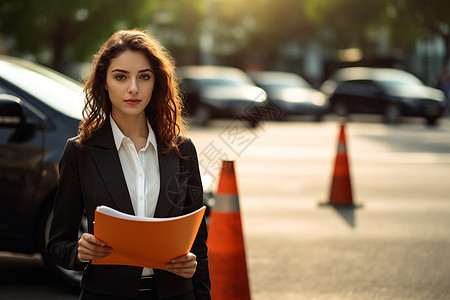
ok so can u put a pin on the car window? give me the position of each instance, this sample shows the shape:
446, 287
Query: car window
357, 88
390, 84
57, 91
348, 87
282, 85
31, 113
219, 82
282, 82
368, 85
399, 78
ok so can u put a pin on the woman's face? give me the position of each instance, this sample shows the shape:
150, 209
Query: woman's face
129, 81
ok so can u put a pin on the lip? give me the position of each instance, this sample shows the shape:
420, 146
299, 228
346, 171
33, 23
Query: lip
133, 101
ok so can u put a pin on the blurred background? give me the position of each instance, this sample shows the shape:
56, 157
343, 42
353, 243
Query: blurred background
308, 37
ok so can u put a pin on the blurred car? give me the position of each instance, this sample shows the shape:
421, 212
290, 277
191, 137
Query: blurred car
292, 94
390, 92
39, 110
221, 92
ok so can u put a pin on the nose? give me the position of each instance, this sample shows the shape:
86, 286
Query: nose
133, 88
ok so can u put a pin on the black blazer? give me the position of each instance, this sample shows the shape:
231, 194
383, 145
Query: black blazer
93, 176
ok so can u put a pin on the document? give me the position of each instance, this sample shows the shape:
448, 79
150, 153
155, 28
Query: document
145, 242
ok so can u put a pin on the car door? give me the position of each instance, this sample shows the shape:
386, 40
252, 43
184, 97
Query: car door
361, 96
21, 154
371, 98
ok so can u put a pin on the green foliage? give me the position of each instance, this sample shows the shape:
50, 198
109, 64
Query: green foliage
349, 19
73, 30
261, 27
178, 22
39, 25
407, 20
411, 19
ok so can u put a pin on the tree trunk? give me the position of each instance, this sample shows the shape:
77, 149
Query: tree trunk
59, 38
447, 52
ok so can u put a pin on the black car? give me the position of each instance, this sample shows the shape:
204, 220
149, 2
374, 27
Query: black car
39, 110
221, 92
292, 94
389, 92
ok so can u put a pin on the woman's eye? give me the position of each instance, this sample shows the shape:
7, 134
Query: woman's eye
120, 77
145, 76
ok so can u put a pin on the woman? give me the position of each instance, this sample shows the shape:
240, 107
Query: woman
130, 154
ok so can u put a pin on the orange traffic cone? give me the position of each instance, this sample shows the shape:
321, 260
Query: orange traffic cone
228, 268
341, 190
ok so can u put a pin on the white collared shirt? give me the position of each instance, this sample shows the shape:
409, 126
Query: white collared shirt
141, 171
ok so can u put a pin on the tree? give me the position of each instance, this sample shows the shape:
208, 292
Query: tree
178, 24
279, 23
69, 29
408, 20
413, 19
255, 31
350, 20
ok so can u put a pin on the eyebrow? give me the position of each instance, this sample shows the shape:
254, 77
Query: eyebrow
124, 71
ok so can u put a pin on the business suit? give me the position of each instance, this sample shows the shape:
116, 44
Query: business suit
93, 176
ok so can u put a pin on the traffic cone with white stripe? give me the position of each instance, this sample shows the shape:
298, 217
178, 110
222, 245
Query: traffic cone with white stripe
226, 250
341, 189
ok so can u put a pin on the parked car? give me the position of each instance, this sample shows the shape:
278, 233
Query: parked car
221, 92
390, 92
39, 110
292, 94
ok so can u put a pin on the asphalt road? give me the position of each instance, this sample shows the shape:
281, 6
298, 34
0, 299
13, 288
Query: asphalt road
396, 246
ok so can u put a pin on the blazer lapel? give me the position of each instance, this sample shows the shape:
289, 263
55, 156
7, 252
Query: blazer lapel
169, 169
104, 153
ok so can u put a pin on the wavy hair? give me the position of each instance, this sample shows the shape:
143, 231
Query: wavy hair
164, 111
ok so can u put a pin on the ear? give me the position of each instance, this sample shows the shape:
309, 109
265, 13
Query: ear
106, 87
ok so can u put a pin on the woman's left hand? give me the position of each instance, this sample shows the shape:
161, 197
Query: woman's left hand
183, 266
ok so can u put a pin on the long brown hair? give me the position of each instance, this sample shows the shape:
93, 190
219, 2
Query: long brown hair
165, 108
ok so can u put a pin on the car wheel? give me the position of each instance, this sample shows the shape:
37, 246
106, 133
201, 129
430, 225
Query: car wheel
253, 123
341, 109
392, 113
202, 115
70, 277
432, 120
274, 111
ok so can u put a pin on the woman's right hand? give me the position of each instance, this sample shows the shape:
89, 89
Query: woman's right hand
89, 248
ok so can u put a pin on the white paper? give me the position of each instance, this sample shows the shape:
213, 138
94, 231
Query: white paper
115, 213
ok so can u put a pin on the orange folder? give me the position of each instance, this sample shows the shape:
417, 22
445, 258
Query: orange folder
145, 242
